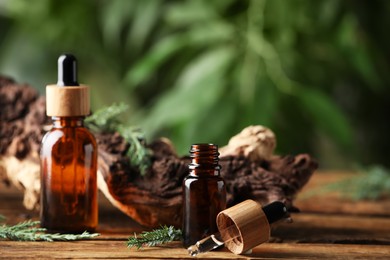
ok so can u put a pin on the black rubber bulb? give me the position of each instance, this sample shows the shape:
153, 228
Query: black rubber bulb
275, 211
67, 70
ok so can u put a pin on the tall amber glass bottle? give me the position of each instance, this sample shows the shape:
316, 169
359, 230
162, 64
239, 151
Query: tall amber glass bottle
68, 156
204, 194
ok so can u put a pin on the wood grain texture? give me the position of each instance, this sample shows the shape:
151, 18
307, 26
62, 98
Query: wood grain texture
67, 101
117, 250
313, 235
251, 226
316, 198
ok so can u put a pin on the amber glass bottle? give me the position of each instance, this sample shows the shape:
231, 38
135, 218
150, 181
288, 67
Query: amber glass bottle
204, 194
68, 157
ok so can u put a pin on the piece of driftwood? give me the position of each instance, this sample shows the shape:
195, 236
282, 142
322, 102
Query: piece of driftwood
250, 169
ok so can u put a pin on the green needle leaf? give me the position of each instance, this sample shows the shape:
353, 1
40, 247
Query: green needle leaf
105, 120
155, 237
30, 231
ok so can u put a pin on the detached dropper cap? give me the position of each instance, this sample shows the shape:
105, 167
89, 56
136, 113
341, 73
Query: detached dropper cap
67, 98
252, 223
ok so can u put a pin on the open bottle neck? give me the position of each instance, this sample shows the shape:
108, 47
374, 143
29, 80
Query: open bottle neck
204, 160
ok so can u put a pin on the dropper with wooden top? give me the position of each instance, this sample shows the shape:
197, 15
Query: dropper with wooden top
242, 227
68, 156
67, 98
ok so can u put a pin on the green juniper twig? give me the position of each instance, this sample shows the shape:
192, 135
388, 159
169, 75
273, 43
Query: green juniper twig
30, 231
370, 183
156, 237
139, 155
105, 120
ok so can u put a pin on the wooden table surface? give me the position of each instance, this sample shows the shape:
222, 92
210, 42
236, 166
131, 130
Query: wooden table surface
328, 227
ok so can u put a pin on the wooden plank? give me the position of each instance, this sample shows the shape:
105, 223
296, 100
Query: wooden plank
334, 229
314, 198
320, 251
333, 235
117, 250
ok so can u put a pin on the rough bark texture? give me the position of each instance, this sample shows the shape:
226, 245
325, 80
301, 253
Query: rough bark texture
152, 199
22, 118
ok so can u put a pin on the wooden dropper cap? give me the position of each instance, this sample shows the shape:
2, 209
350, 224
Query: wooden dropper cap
252, 224
67, 98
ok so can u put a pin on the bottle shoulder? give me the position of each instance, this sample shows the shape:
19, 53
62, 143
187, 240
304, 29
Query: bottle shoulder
192, 183
192, 178
67, 134
203, 174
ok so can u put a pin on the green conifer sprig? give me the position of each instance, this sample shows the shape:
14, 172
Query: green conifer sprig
106, 120
155, 237
371, 183
30, 231
138, 153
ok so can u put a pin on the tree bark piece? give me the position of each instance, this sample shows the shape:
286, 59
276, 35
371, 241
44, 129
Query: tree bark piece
152, 199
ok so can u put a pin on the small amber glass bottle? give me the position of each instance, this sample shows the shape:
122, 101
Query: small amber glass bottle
204, 194
68, 157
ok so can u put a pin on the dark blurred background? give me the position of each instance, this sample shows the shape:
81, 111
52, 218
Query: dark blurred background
315, 72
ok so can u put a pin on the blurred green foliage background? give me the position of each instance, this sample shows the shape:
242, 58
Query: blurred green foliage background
315, 72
